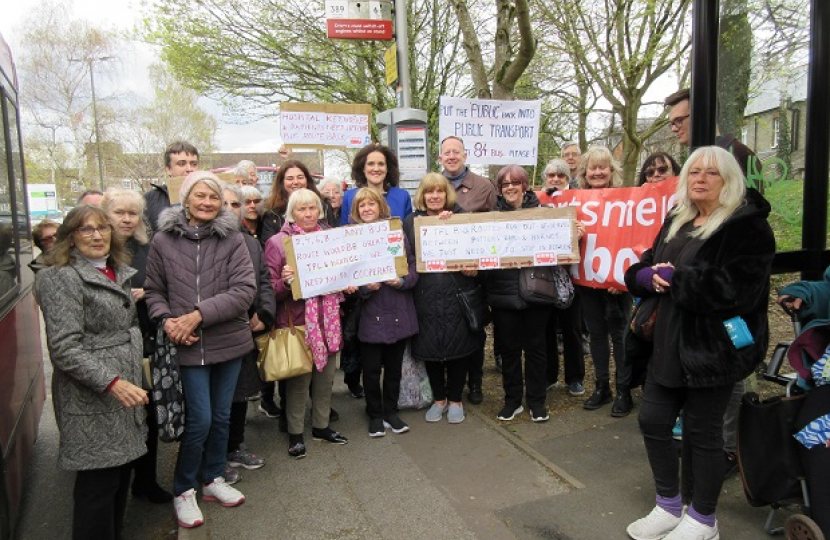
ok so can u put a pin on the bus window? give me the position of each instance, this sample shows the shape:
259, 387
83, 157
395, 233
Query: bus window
9, 263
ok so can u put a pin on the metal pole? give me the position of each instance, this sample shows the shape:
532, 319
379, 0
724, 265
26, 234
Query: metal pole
402, 40
95, 119
704, 101
814, 226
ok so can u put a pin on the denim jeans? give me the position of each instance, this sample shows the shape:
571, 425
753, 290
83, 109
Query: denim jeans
703, 460
208, 393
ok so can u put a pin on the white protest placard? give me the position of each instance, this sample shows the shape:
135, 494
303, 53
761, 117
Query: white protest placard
333, 259
323, 125
535, 237
494, 132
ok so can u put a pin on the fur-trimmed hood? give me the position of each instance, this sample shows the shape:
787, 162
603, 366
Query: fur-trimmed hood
174, 221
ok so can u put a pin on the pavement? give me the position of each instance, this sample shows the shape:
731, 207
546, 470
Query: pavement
581, 476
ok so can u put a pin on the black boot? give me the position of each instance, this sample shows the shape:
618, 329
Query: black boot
475, 395
622, 404
602, 395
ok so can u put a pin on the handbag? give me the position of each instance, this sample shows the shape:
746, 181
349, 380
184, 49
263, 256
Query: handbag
767, 451
546, 285
644, 317
283, 352
473, 306
168, 394
416, 392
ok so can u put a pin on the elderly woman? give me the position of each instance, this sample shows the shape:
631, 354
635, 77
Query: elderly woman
606, 311
251, 201
387, 320
320, 315
200, 284
260, 318
568, 320
376, 167
44, 235
657, 167
124, 210
518, 325
709, 264
245, 173
332, 191
95, 346
293, 175
444, 342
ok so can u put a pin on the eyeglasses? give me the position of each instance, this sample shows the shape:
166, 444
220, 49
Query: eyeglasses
234, 204
571, 154
663, 169
678, 122
88, 230
557, 175
255, 201
511, 183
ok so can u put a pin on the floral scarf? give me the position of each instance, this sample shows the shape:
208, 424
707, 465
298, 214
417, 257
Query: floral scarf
322, 327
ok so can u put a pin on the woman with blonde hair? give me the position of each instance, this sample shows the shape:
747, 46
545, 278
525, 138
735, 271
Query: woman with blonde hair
606, 311
387, 319
124, 210
444, 342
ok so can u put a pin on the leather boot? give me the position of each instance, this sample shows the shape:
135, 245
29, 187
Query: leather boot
475, 395
622, 404
602, 395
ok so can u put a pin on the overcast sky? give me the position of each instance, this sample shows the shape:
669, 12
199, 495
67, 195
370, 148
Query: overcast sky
261, 136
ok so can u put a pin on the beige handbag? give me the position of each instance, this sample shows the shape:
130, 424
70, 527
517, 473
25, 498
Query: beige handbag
283, 352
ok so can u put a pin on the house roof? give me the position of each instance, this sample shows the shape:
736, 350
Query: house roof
770, 93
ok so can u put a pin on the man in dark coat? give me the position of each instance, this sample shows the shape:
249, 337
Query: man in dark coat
180, 159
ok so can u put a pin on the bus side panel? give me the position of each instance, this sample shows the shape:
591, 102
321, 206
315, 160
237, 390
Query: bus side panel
22, 395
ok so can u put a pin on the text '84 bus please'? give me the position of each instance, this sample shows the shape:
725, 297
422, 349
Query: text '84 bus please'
22, 386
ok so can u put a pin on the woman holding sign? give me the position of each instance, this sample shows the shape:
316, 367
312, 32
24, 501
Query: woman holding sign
445, 341
518, 325
387, 320
321, 317
708, 269
606, 311
376, 167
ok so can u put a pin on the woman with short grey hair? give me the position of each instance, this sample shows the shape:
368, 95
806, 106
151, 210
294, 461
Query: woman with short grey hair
245, 173
251, 210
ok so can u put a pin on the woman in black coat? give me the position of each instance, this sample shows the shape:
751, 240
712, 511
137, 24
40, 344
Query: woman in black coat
445, 341
709, 264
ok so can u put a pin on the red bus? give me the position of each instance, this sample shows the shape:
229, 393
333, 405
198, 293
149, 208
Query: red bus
22, 383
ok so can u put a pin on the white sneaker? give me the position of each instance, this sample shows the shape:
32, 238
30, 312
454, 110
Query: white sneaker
187, 509
436, 412
655, 526
220, 491
691, 529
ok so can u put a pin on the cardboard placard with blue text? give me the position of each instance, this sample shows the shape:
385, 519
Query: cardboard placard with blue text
330, 260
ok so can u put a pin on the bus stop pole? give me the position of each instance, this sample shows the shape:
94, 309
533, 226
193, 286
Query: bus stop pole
703, 100
402, 41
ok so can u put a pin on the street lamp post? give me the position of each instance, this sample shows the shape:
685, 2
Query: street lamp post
89, 61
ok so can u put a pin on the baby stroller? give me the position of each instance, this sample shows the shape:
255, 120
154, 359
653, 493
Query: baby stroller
769, 457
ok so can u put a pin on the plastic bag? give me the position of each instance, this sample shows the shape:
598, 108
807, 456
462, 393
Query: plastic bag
416, 393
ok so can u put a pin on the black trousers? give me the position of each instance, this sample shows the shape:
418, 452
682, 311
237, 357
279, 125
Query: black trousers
236, 435
447, 378
100, 501
517, 331
377, 358
145, 466
606, 316
475, 362
569, 321
703, 462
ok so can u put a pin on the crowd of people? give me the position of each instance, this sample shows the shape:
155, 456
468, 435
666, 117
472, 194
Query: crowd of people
212, 273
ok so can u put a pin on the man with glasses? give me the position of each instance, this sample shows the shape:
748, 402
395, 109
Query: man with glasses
180, 159
572, 154
680, 122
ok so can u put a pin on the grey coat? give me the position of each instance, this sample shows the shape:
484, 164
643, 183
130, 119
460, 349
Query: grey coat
206, 268
93, 337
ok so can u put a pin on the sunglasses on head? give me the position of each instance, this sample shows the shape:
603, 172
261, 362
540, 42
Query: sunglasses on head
663, 169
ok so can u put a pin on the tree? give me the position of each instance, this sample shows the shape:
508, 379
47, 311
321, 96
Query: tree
734, 64
622, 47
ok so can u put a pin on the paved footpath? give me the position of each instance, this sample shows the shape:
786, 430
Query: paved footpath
581, 476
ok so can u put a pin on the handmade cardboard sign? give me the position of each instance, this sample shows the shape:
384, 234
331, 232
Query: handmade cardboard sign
484, 241
331, 260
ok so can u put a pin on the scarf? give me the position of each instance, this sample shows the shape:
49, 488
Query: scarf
322, 326
457, 179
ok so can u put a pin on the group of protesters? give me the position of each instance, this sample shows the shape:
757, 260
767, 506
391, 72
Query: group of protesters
126, 274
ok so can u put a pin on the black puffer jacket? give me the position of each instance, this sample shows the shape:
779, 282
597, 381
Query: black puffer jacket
729, 277
502, 286
443, 331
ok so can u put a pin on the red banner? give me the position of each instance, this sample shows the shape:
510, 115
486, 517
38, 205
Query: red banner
620, 223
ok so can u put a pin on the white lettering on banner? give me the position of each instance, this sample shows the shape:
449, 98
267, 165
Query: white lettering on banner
334, 259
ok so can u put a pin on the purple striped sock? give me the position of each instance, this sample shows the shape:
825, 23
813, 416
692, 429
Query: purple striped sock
672, 505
